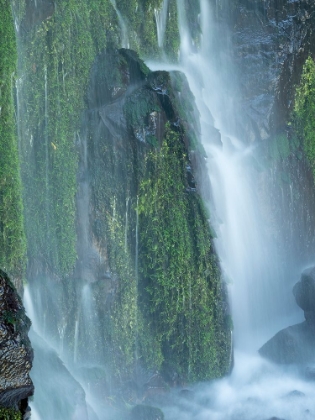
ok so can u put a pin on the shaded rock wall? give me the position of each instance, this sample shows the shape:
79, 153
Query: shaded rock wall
272, 41
268, 43
120, 253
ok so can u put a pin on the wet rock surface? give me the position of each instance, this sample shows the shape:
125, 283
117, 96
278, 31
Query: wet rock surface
272, 41
16, 354
296, 344
36, 12
304, 293
292, 345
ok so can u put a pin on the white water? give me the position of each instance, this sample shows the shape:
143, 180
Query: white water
256, 390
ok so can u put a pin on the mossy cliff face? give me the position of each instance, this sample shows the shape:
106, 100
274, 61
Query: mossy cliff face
55, 56
114, 220
303, 115
12, 237
58, 42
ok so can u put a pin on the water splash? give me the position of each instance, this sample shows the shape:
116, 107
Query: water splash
256, 390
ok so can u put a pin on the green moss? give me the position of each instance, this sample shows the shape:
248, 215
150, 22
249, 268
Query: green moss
138, 106
140, 20
56, 58
179, 271
166, 297
172, 38
304, 111
12, 239
10, 414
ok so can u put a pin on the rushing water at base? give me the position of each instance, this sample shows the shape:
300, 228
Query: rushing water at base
256, 390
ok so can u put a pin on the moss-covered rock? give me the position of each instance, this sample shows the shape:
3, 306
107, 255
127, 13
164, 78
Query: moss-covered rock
164, 301
9, 414
12, 236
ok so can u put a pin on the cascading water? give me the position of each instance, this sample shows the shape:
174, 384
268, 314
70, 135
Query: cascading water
259, 270
249, 258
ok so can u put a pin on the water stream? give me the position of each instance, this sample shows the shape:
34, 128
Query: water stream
258, 270
161, 19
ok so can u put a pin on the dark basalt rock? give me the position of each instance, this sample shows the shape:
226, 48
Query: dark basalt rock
292, 345
187, 394
271, 41
155, 388
304, 292
296, 344
16, 354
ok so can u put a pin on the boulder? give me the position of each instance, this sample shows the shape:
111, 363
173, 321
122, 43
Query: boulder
304, 293
16, 354
295, 344
292, 345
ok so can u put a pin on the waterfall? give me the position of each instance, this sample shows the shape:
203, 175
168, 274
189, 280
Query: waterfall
250, 261
259, 272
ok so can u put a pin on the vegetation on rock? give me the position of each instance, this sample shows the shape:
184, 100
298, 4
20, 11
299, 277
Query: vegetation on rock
167, 306
182, 295
304, 110
10, 414
56, 55
12, 237
162, 301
